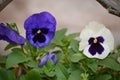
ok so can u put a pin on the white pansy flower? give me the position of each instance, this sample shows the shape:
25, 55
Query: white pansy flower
96, 41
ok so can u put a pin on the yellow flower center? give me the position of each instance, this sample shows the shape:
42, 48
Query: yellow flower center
95, 41
38, 32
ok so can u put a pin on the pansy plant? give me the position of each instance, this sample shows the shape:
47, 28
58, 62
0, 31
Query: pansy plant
40, 28
96, 41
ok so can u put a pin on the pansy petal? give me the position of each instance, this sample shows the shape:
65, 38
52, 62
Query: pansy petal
84, 37
100, 39
47, 41
103, 55
40, 20
100, 48
86, 34
38, 44
92, 49
43, 60
95, 26
41, 38
44, 30
15, 37
109, 39
83, 45
90, 41
10, 35
87, 53
51, 56
90, 30
51, 34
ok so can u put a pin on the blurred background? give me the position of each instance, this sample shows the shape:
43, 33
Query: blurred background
71, 14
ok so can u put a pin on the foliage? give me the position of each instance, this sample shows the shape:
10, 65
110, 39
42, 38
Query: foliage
71, 63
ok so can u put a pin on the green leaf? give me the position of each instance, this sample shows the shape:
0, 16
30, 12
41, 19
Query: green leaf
77, 57
72, 36
93, 66
2, 59
50, 46
110, 62
75, 45
61, 72
60, 55
49, 73
10, 46
49, 68
22, 77
6, 75
15, 57
103, 77
75, 75
59, 35
13, 26
30, 48
32, 64
74, 67
118, 48
33, 75
58, 43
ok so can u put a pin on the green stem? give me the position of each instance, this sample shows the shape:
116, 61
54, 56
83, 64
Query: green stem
65, 51
25, 50
84, 75
83, 67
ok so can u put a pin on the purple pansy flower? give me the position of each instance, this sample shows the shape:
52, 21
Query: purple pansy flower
51, 56
40, 28
96, 41
9, 35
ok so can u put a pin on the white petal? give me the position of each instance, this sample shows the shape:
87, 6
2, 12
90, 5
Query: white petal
99, 56
84, 37
87, 53
108, 37
105, 53
83, 45
86, 34
95, 26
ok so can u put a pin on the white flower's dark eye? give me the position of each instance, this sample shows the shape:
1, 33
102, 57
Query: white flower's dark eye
95, 45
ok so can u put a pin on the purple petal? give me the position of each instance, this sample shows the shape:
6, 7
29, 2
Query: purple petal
53, 57
100, 49
100, 39
44, 22
10, 35
90, 41
94, 48
39, 37
46, 58
44, 30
